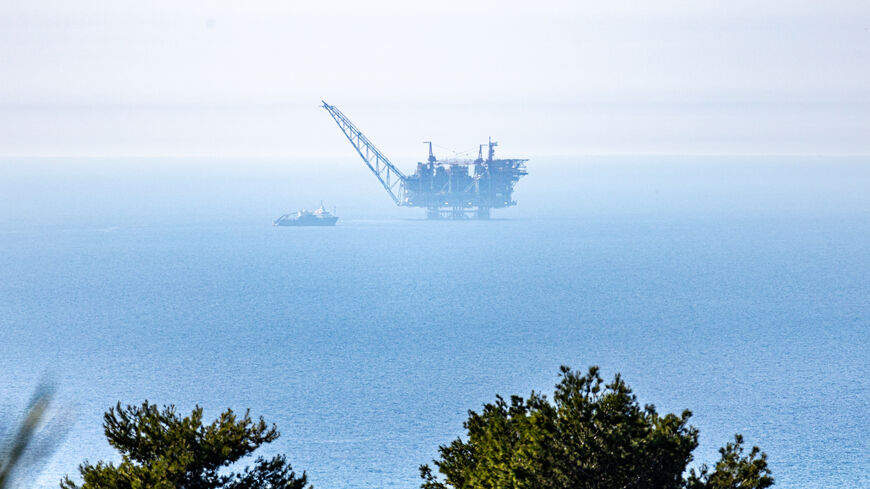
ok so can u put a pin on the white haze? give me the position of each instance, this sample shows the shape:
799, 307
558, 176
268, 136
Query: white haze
222, 78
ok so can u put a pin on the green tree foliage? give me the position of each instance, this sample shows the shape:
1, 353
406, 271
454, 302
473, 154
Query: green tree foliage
592, 436
733, 469
162, 450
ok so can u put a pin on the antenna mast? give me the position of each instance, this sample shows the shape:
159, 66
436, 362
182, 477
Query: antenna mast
492, 145
431, 156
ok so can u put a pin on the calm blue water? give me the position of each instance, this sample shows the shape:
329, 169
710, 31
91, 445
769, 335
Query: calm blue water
737, 288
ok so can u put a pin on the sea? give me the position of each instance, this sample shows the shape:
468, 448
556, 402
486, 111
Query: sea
737, 287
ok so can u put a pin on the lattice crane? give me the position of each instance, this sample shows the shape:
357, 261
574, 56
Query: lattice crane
390, 177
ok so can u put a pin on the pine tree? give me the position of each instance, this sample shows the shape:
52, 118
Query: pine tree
592, 436
162, 450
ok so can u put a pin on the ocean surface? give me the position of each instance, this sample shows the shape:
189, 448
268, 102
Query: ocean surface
736, 287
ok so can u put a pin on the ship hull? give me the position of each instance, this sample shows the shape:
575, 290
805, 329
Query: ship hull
317, 221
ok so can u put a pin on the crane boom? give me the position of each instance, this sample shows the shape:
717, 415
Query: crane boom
390, 177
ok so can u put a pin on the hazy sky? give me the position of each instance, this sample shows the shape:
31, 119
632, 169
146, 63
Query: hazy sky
221, 78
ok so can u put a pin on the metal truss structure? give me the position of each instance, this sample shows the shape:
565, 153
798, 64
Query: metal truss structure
449, 189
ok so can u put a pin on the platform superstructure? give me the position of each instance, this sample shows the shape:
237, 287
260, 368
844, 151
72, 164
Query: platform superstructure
452, 189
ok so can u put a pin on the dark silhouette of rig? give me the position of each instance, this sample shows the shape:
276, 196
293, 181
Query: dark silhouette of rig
448, 189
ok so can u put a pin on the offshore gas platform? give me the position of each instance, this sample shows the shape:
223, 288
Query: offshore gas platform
448, 189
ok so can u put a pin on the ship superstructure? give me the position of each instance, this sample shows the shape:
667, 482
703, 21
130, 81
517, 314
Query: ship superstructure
318, 217
452, 189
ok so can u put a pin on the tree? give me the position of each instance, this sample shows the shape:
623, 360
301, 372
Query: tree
162, 450
733, 469
592, 436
